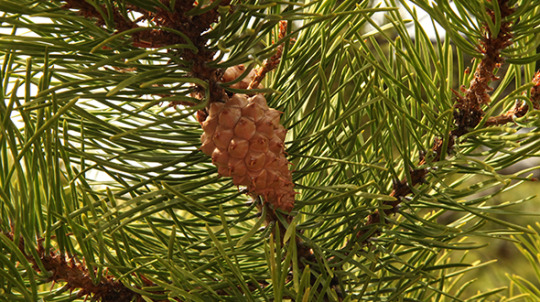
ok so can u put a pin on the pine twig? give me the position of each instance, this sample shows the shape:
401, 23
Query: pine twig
273, 62
468, 111
467, 114
192, 26
77, 277
521, 108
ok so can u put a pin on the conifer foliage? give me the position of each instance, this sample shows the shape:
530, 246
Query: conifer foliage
228, 150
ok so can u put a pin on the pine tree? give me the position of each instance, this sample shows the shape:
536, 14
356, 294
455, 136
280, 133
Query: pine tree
227, 150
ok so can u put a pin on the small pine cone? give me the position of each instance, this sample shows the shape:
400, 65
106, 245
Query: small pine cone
232, 73
246, 141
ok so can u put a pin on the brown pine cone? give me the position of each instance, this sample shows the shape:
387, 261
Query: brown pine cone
246, 141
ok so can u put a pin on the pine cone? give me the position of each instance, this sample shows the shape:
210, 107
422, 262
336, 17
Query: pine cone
246, 141
232, 73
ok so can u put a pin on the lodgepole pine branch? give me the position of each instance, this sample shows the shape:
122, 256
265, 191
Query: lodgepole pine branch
521, 108
70, 270
468, 113
76, 276
193, 27
271, 63
177, 19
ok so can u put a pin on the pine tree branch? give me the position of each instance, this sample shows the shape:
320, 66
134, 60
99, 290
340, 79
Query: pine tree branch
76, 276
329, 86
193, 27
468, 111
521, 108
271, 63
467, 115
